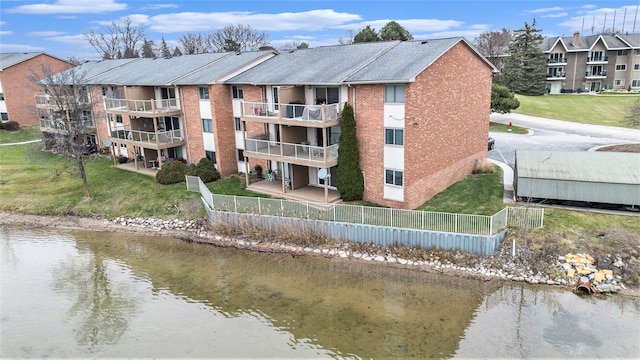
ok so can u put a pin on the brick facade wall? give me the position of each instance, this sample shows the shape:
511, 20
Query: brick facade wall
19, 88
192, 123
450, 103
224, 129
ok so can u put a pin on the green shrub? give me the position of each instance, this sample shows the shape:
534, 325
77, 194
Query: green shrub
11, 126
122, 159
172, 173
206, 171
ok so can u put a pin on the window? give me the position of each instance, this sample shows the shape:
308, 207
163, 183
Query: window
635, 83
394, 137
240, 155
211, 155
238, 124
207, 125
393, 177
275, 98
237, 92
394, 93
622, 52
636, 67
119, 119
1, 96
203, 91
618, 82
86, 115
621, 67
637, 51
4, 116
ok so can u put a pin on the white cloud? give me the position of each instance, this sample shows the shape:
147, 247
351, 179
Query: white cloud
589, 6
545, 10
20, 48
159, 6
558, 15
44, 33
70, 7
7, 32
313, 20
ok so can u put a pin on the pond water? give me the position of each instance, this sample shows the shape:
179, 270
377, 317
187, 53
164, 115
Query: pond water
71, 293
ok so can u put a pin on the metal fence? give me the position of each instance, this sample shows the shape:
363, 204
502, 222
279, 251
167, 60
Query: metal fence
376, 216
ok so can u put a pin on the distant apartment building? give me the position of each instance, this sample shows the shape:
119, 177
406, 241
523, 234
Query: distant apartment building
421, 110
592, 63
18, 74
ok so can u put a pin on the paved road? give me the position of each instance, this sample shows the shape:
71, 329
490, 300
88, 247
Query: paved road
550, 134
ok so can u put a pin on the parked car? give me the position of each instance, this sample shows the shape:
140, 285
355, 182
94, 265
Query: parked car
491, 142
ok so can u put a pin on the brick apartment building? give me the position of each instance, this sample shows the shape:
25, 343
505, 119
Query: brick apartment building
421, 110
17, 86
593, 63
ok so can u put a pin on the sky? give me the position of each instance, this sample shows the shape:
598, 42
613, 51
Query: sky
56, 27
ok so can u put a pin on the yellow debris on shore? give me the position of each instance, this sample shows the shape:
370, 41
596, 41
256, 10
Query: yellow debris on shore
583, 265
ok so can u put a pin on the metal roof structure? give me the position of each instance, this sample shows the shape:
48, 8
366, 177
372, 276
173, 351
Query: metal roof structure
584, 166
224, 67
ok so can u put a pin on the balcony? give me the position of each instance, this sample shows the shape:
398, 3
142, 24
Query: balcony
596, 74
143, 108
557, 61
148, 139
59, 125
301, 154
292, 114
556, 76
59, 102
597, 60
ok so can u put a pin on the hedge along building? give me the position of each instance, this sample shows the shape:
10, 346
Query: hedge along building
421, 110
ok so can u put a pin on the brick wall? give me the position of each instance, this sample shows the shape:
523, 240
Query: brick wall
224, 129
450, 103
20, 89
192, 123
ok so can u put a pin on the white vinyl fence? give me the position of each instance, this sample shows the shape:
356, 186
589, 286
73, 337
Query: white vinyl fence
377, 216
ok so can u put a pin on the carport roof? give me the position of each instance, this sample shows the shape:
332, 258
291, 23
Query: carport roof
587, 166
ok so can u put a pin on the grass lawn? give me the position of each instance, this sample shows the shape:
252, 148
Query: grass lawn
25, 133
599, 109
505, 128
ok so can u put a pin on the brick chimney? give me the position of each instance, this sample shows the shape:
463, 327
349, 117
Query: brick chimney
576, 39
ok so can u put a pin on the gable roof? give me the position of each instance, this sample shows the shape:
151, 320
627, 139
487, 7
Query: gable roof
586, 43
375, 62
11, 59
224, 67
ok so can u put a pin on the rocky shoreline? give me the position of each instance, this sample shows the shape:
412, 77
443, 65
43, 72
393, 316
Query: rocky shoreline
201, 232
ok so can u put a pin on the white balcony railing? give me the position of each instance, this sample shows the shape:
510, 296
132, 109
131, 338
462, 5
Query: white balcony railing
162, 137
297, 112
61, 102
305, 152
141, 105
61, 125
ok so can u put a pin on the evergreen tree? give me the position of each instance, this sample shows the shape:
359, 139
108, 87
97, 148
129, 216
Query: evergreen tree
367, 34
503, 100
394, 31
164, 49
350, 181
526, 67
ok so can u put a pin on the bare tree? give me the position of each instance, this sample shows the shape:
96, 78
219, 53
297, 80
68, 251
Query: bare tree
193, 43
74, 60
348, 39
68, 109
494, 45
118, 40
293, 45
237, 37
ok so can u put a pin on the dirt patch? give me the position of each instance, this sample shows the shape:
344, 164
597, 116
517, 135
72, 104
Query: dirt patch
634, 148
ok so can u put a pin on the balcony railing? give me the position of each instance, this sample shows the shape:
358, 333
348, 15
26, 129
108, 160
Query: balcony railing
162, 137
597, 59
556, 75
295, 112
303, 152
557, 60
147, 106
61, 102
601, 73
61, 125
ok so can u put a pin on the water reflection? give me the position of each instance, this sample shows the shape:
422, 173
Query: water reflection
80, 293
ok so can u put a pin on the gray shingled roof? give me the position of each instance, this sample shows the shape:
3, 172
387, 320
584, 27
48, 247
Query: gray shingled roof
587, 166
158, 71
402, 63
315, 66
222, 67
10, 59
586, 42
